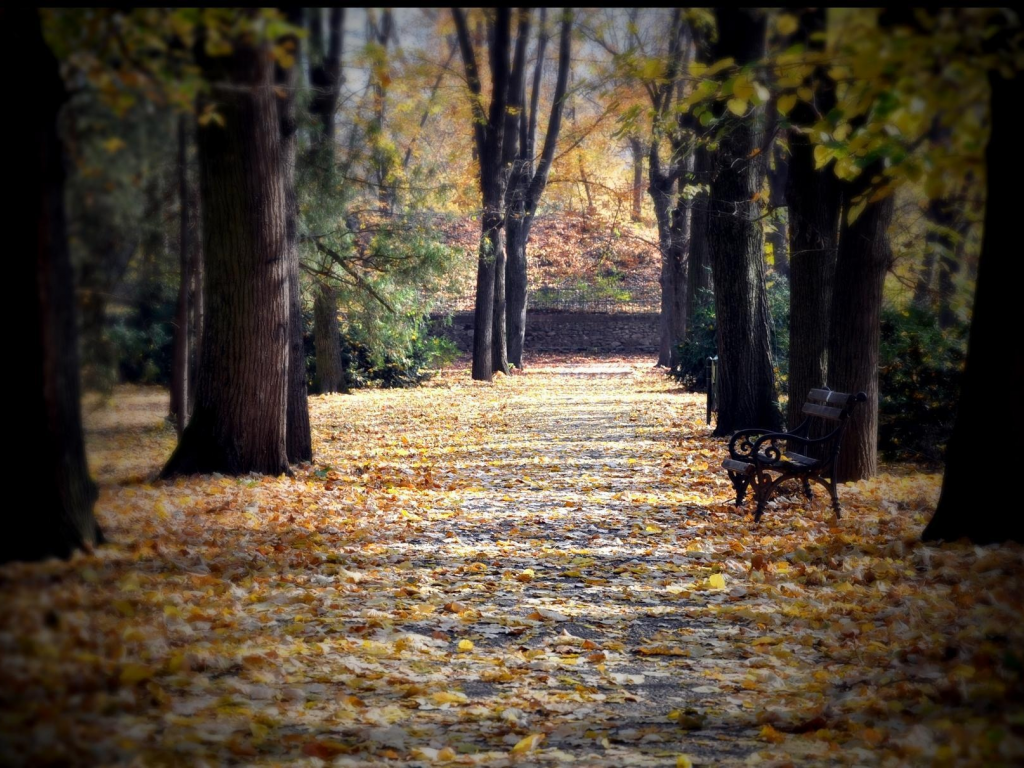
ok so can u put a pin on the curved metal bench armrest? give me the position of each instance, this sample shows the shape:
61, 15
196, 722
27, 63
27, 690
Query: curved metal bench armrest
744, 435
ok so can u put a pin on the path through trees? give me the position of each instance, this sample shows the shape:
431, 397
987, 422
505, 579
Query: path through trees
543, 567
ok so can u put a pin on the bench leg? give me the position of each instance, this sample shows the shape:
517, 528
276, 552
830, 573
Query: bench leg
763, 488
835, 500
740, 483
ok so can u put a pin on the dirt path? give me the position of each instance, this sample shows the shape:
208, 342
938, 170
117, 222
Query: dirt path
540, 571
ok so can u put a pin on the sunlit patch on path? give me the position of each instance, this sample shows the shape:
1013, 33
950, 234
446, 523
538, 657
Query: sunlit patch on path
542, 571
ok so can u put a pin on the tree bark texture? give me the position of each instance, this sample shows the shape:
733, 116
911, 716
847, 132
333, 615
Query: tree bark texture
747, 395
778, 181
527, 185
698, 268
326, 75
299, 440
991, 367
488, 132
60, 518
636, 147
678, 258
240, 418
330, 371
180, 369
863, 258
814, 202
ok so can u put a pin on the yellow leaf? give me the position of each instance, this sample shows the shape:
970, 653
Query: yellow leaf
114, 144
528, 744
135, 673
446, 754
786, 103
449, 697
821, 155
742, 89
787, 24
465, 645
770, 735
737, 106
717, 581
684, 761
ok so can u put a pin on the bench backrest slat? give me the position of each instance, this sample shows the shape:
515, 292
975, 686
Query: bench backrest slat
828, 397
823, 411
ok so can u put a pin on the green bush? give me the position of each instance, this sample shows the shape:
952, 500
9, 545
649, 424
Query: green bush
702, 342
921, 366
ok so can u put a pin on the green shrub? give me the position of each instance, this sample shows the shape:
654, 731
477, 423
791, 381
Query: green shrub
702, 342
921, 366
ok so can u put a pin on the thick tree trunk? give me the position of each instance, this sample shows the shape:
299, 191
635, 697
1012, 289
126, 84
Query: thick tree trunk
517, 233
991, 367
299, 441
59, 518
813, 200
330, 372
180, 393
240, 419
855, 327
637, 191
747, 394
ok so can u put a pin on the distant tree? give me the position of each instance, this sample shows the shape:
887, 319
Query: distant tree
488, 135
326, 77
61, 516
527, 184
299, 440
239, 423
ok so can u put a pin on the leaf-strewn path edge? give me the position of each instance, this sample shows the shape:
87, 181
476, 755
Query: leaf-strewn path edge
542, 571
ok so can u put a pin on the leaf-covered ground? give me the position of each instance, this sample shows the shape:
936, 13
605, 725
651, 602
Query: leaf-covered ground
542, 571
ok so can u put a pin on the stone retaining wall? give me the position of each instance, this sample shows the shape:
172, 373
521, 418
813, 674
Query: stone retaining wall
589, 332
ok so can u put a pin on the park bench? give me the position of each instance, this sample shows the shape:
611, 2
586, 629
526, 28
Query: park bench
762, 459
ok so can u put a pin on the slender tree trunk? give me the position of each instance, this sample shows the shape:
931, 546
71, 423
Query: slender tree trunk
698, 270
778, 181
678, 269
499, 344
946, 242
299, 441
813, 201
240, 418
180, 375
330, 373
527, 185
855, 327
661, 196
489, 131
923, 287
747, 394
59, 518
637, 191
198, 299
991, 367
326, 75
517, 233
